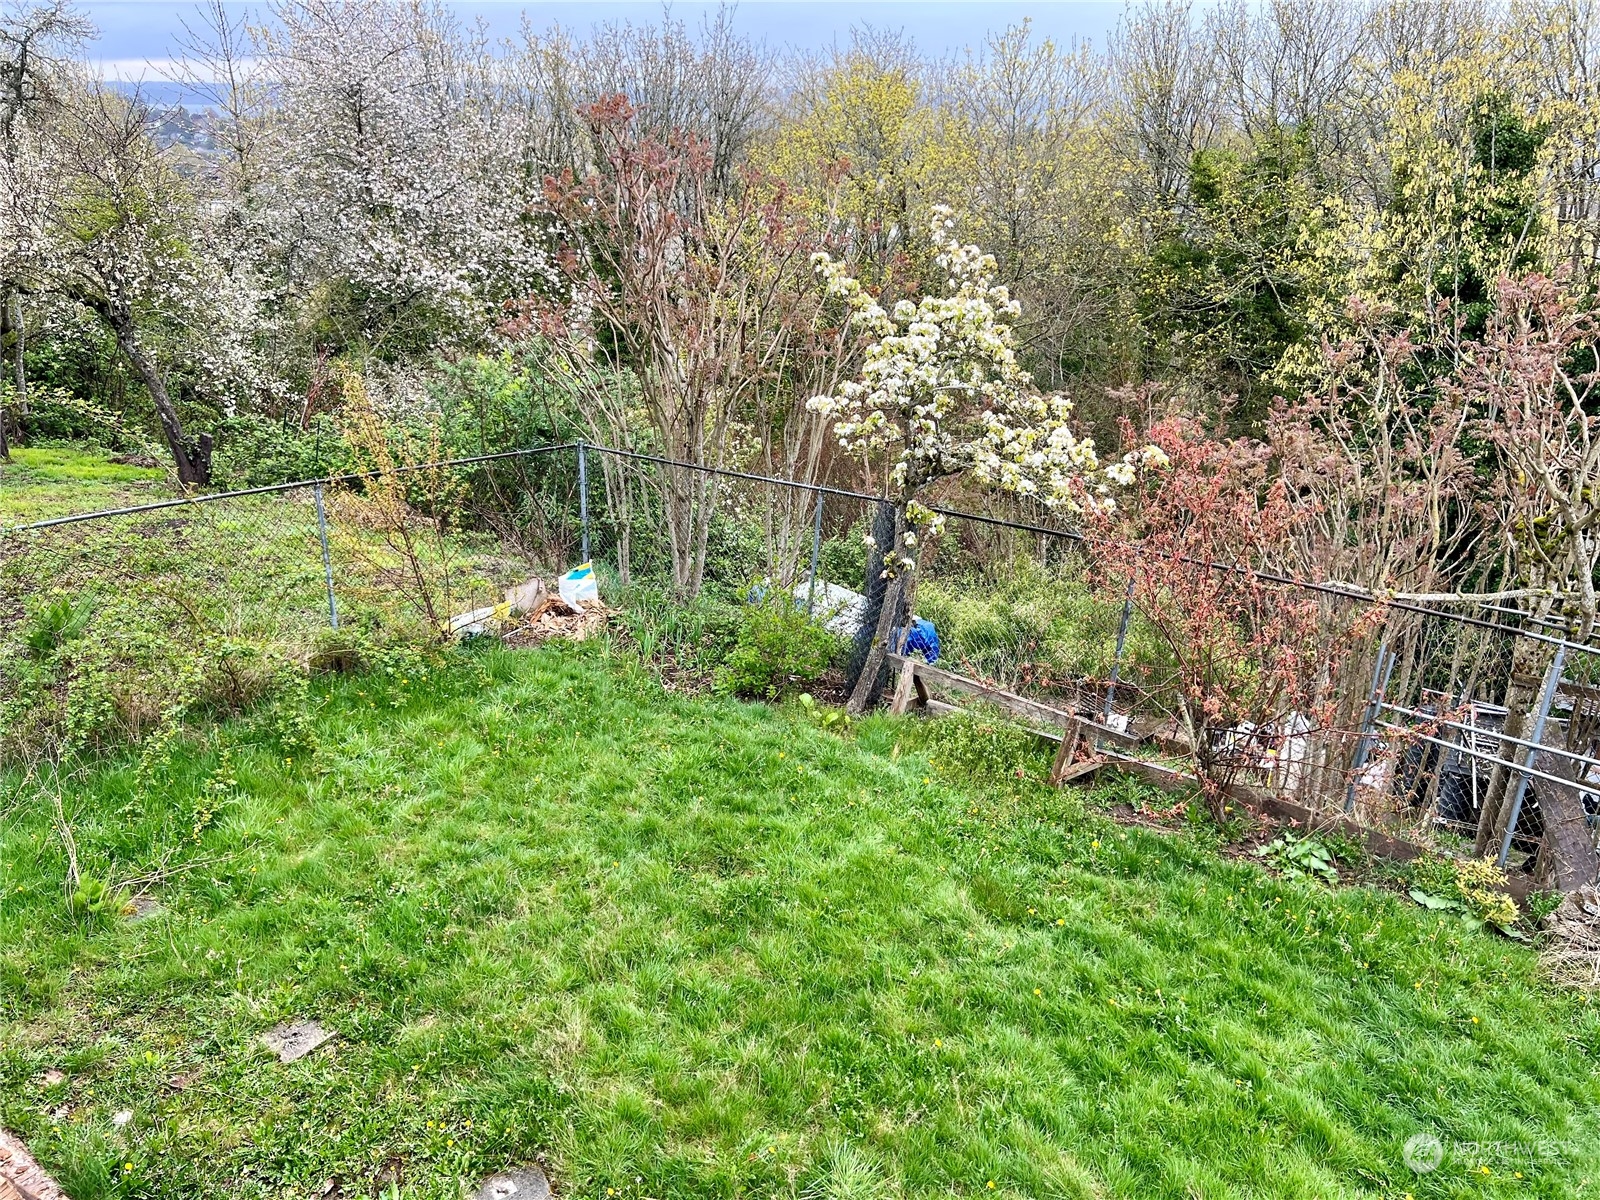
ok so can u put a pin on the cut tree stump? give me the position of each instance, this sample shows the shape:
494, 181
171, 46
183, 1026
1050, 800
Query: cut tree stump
21, 1178
293, 1040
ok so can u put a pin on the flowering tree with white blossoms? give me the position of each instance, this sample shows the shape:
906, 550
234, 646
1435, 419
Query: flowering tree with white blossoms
941, 393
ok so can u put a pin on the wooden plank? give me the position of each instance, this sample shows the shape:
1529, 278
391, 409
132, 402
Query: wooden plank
1163, 777
1069, 747
1079, 771
21, 1178
903, 687
1017, 705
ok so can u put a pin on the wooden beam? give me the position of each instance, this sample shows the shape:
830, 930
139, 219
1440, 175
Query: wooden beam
1069, 747
21, 1178
1080, 771
1020, 706
903, 686
1163, 777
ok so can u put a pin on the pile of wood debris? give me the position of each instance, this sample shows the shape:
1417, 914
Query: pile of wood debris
538, 614
531, 613
555, 619
1572, 953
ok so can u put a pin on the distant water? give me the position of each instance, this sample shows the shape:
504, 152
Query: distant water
133, 32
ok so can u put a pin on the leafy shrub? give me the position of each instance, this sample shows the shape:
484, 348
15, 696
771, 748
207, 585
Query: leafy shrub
1301, 858
1470, 886
94, 898
1027, 620
668, 634
843, 559
57, 623
778, 647
829, 720
57, 415
255, 450
1481, 884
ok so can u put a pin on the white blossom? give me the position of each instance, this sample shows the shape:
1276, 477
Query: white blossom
941, 390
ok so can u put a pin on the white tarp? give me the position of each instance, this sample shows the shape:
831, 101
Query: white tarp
838, 608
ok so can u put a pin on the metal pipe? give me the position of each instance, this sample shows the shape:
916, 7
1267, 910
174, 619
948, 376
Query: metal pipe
267, 489
1116, 661
1558, 751
816, 555
1381, 671
1340, 591
1326, 589
1551, 681
1423, 737
583, 497
327, 560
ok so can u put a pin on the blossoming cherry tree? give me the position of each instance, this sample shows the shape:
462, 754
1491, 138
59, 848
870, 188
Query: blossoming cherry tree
941, 392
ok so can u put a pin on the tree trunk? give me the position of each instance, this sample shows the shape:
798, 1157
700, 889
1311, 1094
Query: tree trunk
11, 324
894, 590
194, 468
707, 506
19, 365
677, 497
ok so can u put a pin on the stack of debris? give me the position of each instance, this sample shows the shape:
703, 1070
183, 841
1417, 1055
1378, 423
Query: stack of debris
538, 614
1572, 953
532, 613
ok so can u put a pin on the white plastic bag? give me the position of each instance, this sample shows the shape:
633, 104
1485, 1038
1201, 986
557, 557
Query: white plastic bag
578, 586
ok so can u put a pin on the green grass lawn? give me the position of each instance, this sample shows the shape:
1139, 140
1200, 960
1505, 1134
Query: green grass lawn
55, 481
689, 947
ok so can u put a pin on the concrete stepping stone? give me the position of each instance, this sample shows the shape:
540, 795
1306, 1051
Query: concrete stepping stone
143, 907
293, 1040
21, 1178
523, 1183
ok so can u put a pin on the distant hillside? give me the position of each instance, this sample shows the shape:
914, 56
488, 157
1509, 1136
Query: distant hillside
194, 129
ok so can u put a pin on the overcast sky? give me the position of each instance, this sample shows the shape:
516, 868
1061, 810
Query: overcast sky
134, 33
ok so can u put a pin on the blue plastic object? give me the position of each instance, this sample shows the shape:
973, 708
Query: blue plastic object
923, 639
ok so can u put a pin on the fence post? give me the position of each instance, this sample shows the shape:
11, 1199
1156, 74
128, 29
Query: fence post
327, 559
583, 496
1381, 670
1552, 680
1116, 662
816, 554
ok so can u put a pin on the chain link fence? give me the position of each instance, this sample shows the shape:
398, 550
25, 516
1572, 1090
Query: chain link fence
207, 601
